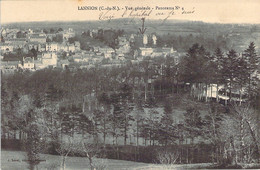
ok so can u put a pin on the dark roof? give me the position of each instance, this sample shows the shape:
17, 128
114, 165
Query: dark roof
28, 60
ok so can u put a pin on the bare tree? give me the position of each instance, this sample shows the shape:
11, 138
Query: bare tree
64, 148
167, 158
239, 134
90, 149
249, 122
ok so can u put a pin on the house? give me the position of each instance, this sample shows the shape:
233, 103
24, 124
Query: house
146, 51
82, 57
3, 32
96, 49
50, 36
68, 34
120, 57
168, 51
123, 41
62, 47
41, 47
124, 45
96, 59
132, 38
107, 52
67, 47
49, 59
51, 47
9, 33
124, 49
157, 53
145, 39
108, 55
32, 45
77, 57
16, 42
38, 64
77, 45
88, 53
5, 47
154, 38
27, 64
93, 33
37, 37
71, 48
63, 63
163, 52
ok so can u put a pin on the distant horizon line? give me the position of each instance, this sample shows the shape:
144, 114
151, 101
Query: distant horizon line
149, 19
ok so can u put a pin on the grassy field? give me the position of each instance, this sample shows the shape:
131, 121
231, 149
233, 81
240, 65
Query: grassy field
72, 163
13, 160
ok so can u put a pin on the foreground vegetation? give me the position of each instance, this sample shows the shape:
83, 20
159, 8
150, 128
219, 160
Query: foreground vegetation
13, 160
153, 104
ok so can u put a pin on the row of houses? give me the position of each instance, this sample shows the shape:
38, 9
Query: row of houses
37, 40
47, 59
36, 36
18, 44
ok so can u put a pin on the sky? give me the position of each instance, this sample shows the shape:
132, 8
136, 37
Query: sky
213, 11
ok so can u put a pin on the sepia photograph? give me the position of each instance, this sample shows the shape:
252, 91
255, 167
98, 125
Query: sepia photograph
130, 85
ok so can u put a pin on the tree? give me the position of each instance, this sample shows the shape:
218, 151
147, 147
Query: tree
195, 70
58, 38
127, 107
193, 126
110, 37
229, 138
229, 70
104, 114
19, 34
34, 145
167, 134
211, 129
170, 70
249, 124
252, 62
51, 117
137, 126
72, 40
52, 30
115, 117
242, 77
193, 123
239, 136
85, 34
100, 34
218, 59
167, 158
36, 136
33, 53
153, 120
45, 31
48, 39
90, 150
60, 30
64, 148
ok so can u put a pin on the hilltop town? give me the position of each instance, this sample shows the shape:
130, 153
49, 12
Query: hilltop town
38, 49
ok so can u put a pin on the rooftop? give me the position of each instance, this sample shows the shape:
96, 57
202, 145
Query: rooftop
28, 60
